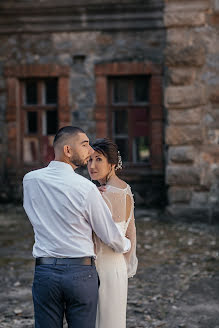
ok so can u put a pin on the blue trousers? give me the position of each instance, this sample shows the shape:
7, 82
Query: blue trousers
70, 290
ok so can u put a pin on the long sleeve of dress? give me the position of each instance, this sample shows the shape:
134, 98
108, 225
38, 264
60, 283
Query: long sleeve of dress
130, 257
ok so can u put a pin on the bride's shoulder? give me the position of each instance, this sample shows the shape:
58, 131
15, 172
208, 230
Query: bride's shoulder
119, 183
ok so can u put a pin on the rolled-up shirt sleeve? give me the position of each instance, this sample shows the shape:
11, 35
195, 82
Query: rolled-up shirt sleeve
99, 216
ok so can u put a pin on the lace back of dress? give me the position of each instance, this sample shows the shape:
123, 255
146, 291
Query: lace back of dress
121, 205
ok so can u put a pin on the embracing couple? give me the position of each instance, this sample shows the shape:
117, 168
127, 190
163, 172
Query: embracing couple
85, 238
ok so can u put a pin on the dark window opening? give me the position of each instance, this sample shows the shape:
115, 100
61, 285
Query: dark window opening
123, 147
121, 122
32, 122
31, 92
120, 91
50, 122
141, 89
51, 91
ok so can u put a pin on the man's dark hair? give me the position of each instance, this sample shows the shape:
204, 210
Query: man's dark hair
65, 132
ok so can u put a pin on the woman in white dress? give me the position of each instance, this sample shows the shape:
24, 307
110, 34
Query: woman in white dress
113, 268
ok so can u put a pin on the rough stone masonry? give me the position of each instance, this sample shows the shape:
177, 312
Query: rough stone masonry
181, 36
192, 107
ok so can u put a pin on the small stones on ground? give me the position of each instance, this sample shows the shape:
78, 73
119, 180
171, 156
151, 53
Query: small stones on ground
17, 284
178, 263
18, 311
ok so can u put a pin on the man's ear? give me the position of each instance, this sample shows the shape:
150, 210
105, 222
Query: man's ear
67, 151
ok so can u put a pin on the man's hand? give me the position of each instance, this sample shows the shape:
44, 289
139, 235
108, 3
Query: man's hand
102, 189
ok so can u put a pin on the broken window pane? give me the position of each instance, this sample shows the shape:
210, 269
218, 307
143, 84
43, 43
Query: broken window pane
31, 122
31, 92
30, 149
47, 149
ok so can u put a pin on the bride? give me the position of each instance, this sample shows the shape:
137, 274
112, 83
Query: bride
114, 269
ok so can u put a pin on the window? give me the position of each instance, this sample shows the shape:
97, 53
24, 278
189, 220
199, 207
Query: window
37, 106
39, 113
129, 109
129, 117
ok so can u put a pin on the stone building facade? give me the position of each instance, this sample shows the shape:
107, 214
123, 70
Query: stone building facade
191, 104
144, 73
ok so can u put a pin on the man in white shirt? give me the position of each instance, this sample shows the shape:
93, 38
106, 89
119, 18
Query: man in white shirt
64, 209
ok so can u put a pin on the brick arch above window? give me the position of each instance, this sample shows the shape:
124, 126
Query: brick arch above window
15, 76
106, 71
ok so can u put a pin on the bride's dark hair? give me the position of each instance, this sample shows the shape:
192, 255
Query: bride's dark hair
108, 148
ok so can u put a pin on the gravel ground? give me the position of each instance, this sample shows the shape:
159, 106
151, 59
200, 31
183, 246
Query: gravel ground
176, 286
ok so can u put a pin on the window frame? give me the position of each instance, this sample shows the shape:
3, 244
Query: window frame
103, 73
40, 107
130, 106
15, 75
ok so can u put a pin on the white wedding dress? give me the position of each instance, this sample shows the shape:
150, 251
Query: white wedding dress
113, 268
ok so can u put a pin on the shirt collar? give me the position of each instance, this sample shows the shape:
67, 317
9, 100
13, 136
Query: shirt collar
61, 165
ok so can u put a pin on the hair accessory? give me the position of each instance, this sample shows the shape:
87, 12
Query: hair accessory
119, 165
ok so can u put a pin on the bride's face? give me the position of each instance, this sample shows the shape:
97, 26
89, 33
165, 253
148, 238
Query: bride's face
98, 166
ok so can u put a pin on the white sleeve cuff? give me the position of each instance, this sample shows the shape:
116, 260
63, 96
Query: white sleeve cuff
127, 245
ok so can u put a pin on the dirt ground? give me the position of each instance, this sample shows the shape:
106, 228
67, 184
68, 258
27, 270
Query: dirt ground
176, 286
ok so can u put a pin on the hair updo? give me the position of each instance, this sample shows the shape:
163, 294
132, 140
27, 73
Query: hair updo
108, 149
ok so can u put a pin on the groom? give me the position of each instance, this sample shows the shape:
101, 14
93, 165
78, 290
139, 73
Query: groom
64, 208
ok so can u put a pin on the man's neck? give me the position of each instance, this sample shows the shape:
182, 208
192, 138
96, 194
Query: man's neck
64, 160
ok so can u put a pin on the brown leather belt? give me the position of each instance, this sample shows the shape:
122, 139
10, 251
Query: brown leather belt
65, 261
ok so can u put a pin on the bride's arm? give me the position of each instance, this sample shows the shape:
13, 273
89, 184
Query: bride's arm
130, 257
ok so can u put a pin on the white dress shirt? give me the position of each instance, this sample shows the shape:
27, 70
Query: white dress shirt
64, 208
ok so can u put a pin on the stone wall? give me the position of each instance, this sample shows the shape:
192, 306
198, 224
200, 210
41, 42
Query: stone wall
182, 36
80, 51
34, 38
192, 107
3, 138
